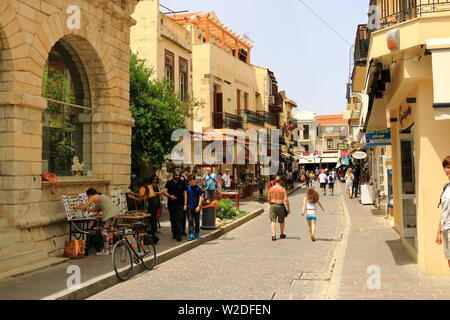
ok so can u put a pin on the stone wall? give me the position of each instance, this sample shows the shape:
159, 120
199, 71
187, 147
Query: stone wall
28, 31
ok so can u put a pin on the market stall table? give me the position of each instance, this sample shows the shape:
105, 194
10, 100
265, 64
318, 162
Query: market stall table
128, 220
230, 195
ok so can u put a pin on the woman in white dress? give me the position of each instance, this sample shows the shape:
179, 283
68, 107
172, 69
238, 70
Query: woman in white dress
349, 177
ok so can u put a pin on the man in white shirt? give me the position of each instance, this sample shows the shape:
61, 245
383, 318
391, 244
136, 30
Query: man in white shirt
227, 180
323, 182
443, 235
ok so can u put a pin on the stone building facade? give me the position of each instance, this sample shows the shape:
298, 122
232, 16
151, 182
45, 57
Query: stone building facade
84, 44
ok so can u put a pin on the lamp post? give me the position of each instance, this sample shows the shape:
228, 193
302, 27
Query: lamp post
261, 185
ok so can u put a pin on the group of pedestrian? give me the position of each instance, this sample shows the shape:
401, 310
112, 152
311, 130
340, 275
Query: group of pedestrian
280, 209
186, 197
327, 179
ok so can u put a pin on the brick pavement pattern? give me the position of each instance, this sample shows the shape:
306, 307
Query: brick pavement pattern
372, 242
246, 264
30, 287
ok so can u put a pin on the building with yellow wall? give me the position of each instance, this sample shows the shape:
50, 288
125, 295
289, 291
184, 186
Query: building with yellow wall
406, 79
165, 46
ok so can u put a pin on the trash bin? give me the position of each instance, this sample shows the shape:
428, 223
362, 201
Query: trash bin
209, 216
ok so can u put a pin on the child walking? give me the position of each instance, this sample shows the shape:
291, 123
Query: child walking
310, 209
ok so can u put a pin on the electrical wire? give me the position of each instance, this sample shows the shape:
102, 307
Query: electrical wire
326, 23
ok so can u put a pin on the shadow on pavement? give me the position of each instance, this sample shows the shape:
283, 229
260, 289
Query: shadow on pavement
399, 253
377, 212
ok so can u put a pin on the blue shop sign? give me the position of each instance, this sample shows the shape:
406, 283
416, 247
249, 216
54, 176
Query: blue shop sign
378, 138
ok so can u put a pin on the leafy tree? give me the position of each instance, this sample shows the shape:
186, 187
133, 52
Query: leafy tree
157, 112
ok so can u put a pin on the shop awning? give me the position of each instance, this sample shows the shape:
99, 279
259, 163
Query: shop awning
328, 160
440, 49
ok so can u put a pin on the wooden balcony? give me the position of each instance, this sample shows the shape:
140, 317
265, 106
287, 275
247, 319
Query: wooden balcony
254, 118
224, 120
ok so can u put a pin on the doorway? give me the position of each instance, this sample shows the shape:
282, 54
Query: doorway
408, 188
218, 115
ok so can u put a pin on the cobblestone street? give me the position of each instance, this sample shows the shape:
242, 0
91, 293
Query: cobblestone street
246, 264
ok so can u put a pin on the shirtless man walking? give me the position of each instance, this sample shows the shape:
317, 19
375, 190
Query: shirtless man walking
279, 207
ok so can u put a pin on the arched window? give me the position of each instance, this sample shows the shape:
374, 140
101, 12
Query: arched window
67, 121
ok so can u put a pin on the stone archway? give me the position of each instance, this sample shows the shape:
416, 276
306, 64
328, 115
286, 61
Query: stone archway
106, 61
89, 47
7, 68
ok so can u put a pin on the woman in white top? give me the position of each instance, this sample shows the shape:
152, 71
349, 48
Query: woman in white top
349, 177
310, 210
444, 223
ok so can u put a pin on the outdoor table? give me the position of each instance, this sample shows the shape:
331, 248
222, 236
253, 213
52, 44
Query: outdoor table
229, 195
79, 232
127, 221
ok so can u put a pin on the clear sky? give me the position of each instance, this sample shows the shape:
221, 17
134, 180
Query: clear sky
309, 60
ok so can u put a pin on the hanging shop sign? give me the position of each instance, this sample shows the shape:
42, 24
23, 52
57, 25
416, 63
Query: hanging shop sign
343, 146
359, 155
378, 138
406, 113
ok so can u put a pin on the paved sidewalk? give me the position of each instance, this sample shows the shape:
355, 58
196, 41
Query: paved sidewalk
246, 264
51, 281
372, 242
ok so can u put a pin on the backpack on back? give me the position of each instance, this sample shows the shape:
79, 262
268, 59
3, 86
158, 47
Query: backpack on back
443, 191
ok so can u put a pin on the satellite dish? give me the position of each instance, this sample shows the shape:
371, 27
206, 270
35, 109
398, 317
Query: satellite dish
360, 155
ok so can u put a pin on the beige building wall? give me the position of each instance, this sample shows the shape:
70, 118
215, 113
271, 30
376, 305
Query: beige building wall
155, 33
215, 67
29, 30
413, 78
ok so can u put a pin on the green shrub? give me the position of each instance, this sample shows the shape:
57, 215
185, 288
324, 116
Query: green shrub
225, 210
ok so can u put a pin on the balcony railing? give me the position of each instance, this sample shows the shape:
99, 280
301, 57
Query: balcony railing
393, 12
270, 118
223, 120
255, 118
294, 123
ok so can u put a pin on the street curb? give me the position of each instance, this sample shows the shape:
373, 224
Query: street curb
294, 190
110, 279
339, 254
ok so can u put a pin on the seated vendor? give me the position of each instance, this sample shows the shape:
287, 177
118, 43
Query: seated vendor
109, 212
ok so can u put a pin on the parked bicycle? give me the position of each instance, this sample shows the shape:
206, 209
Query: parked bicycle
137, 247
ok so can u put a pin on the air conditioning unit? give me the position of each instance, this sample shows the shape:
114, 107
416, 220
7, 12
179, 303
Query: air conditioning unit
272, 99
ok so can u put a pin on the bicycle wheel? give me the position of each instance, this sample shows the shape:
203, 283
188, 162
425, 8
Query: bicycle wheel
122, 259
148, 253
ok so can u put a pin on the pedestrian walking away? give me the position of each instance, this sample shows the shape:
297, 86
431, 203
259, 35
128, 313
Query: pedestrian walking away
310, 204
331, 180
176, 192
442, 237
195, 201
279, 208
323, 179
357, 177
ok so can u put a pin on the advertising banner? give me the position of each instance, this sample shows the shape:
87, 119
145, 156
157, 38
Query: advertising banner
378, 138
